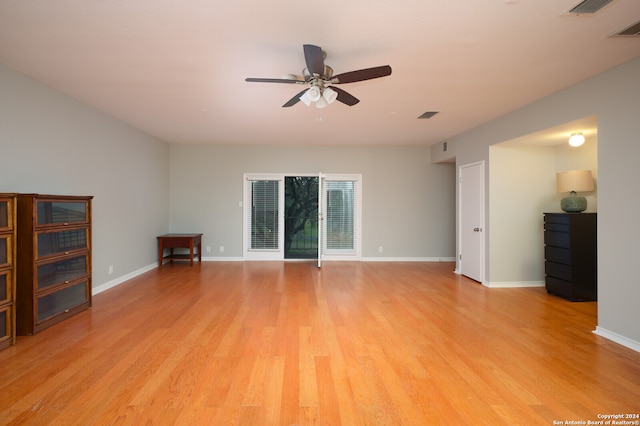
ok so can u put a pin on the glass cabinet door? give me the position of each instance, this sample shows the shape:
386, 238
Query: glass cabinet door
59, 212
62, 300
5, 244
62, 271
4, 214
5, 290
62, 242
5, 324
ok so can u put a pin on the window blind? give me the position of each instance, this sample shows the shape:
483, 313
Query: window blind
340, 215
264, 215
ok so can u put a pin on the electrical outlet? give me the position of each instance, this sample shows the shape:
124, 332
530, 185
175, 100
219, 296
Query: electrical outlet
221, 249
110, 269
380, 249
208, 249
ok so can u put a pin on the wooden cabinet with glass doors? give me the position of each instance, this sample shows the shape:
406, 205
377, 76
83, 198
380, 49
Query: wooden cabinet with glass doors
7, 272
54, 259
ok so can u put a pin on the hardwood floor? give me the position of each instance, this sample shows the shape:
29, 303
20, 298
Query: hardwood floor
260, 343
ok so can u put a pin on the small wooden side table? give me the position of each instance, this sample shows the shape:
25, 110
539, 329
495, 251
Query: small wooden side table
171, 241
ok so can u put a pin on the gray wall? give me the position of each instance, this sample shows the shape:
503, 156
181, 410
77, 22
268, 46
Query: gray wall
52, 144
613, 97
408, 203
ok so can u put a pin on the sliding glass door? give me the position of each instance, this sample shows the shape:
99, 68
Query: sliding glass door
301, 217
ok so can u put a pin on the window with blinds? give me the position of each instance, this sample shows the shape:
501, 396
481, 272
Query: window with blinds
340, 215
264, 215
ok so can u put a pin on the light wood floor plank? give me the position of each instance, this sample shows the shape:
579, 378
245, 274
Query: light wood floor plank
270, 343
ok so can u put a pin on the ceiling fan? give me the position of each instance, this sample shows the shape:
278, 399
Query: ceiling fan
321, 79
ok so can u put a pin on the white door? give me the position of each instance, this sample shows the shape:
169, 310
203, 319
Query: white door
471, 208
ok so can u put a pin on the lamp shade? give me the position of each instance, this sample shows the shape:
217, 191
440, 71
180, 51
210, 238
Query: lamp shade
574, 181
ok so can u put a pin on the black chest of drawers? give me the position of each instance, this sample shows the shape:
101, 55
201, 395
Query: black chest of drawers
570, 255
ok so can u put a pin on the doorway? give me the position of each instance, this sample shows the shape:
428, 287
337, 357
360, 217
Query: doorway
301, 217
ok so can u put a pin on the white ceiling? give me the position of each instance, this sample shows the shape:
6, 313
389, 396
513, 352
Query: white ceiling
176, 69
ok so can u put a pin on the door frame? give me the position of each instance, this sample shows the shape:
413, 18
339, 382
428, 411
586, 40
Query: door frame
320, 216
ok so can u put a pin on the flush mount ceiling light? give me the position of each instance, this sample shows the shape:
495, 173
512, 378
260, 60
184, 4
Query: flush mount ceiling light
576, 139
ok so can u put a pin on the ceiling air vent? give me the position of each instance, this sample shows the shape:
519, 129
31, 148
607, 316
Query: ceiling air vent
632, 30
589, 6
428, 114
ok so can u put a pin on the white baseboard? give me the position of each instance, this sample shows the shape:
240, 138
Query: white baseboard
123, 278
513, 284
619, 339
222, 259
343, 259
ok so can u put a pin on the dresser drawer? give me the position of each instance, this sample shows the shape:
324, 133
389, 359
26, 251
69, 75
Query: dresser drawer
558, 270
556, 239
556, 218
558, 227
557, 255
559, 287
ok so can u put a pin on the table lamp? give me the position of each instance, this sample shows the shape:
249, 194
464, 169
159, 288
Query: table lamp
574, 181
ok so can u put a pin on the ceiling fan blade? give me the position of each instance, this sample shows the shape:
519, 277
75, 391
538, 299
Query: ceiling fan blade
274, 80
360, 75
314, 59
294, 100
344, 97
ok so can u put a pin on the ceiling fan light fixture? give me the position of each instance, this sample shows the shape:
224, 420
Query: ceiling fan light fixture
329, 94
322, 103
304, 98
313, 94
